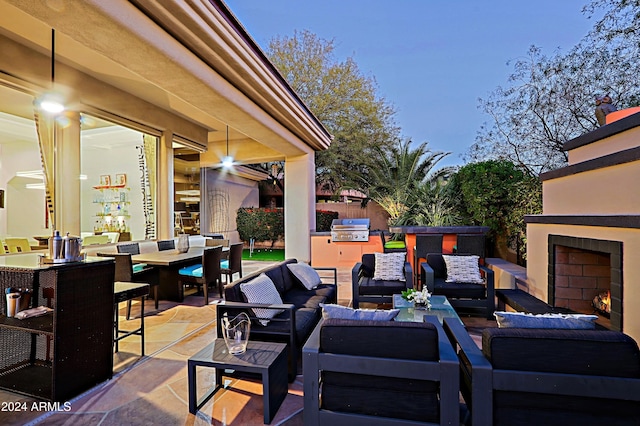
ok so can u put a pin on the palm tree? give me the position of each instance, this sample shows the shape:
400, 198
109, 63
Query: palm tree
402, 177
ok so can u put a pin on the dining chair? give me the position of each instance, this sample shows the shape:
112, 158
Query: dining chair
127, 272
212, 242
131, 248
203, 274
113, 236
95, 240
166, 245
233, 264
17, 245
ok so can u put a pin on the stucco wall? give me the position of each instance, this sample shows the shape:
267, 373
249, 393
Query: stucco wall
602, 191
537, 264
615, 143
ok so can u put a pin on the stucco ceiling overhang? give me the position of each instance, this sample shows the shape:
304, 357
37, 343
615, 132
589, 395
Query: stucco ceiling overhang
191, 58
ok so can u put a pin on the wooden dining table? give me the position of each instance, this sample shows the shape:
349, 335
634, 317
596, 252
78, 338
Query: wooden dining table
167, 264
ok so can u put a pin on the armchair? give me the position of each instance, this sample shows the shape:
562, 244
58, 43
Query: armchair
367, 289
466, 295
350, 378
548, 376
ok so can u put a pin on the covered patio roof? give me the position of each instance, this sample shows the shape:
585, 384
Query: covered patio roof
193, 59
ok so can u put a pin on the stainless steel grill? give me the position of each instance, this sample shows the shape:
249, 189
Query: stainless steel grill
350, 230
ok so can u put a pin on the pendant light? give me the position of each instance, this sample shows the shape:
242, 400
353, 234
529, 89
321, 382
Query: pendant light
227, 161
51, 102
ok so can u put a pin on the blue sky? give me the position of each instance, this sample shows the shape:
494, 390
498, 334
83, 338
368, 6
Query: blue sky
432, 59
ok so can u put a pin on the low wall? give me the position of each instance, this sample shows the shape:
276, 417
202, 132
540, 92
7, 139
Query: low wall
507, 274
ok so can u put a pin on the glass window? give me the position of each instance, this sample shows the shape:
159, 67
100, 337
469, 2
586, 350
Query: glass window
186, 178
23, 211
118, 190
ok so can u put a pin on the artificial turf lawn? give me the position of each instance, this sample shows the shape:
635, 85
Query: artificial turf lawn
264, 254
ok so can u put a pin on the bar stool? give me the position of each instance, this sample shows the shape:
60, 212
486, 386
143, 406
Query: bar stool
124, 292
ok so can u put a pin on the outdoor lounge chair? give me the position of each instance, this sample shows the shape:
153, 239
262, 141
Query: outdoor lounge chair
367, 289
350, 378
548, 377
466, 295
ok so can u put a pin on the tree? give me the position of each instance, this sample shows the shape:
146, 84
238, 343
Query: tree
402, 178
342, 98
549, 100
498, 194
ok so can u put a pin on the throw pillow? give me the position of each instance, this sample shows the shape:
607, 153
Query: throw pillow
343, 312
306, 275
262, 290
389, 266
462, 269
558, 321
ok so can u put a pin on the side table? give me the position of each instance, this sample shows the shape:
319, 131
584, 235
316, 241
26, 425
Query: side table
264, 358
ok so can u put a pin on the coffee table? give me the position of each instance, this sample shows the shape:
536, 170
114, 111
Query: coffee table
440, 307
265, 358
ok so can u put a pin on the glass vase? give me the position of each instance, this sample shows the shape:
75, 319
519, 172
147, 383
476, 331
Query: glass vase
236, 333
420, 305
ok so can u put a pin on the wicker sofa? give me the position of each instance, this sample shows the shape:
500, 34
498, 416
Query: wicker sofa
301, 308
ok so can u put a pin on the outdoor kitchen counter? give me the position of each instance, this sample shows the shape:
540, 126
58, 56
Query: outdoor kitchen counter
326, 253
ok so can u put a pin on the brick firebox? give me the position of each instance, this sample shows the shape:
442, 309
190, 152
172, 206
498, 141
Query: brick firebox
580, 276
581, 268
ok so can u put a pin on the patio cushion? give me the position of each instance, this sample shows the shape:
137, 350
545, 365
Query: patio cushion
389, 266
436, 262
306, 320
275, 275
137, 267
462, 269
327, 291
305, 275
369, 286
460, 290
411, 340
189, 271
343, 312
262, 290
555, 321
224, 264
368, 264
301, 298
593, 352
395, 245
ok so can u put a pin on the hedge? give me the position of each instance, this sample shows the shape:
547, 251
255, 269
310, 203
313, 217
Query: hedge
267, 224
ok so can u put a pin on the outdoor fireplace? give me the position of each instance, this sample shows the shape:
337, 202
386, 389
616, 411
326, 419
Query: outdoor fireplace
591, 209
585, 275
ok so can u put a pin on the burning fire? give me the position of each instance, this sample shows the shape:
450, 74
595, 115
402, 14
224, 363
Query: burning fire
602, 302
